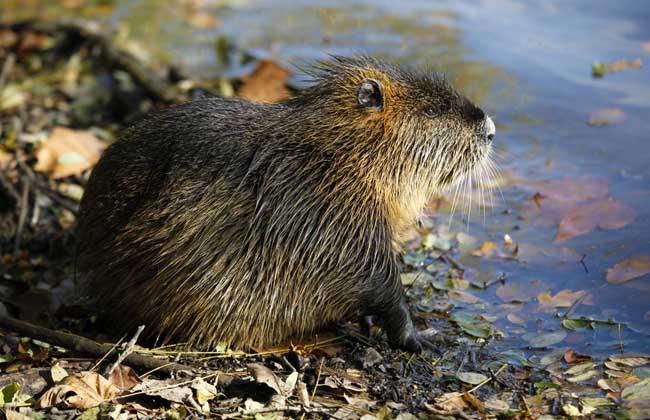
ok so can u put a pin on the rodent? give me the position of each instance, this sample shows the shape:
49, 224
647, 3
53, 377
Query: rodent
223, 221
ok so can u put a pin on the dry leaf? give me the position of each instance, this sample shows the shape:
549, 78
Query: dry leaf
165, 389
606, 214
449, 402
463, 296
264, 375
629, 269
606, 116
267, 83
563, 299
68, 152
82, 390
202, 20
124, 377
58, 373
572, 357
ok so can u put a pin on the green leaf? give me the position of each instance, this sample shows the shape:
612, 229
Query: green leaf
8, 393
575, 324
90, 414
471, 378
638, 391
545, 340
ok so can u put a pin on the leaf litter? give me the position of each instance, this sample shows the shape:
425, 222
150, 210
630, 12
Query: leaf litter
362, 376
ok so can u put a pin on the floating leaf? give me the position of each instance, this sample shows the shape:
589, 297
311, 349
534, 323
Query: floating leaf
471, 378
563, 299
606, 116
584, 218
599, 69
572, 357
516, 319
629, 269
470, 325
575, 324
463, 296
580, 368
545, 340
631, 360
638, 391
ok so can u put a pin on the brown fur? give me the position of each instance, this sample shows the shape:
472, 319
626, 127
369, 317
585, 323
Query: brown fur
226, 221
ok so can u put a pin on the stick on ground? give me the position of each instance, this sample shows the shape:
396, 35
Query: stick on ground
87, 346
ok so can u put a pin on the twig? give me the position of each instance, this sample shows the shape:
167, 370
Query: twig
582, 261
24, 203
86, 345
125, 353
107, 353
293, 409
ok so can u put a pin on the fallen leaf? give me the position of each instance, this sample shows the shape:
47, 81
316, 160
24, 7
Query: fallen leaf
58, 373
124, 377
638, 391
516, 319
631, 360
584, 218
629, 269
471, 378
204, 391
202, 20
165, 389
264, 375
267, 83
463, 296
545, 340
474, 402
450, 401
572, 357
606, 116
563, 299
68, 152
82, 390
599, 69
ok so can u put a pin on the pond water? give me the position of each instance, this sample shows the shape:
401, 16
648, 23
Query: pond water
573, 196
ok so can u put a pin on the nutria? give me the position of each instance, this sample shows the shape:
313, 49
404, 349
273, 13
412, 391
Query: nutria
228, 221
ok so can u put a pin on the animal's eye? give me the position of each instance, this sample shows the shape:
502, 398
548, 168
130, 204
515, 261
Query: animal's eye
429, 112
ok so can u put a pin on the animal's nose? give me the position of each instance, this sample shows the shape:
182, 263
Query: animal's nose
490, 128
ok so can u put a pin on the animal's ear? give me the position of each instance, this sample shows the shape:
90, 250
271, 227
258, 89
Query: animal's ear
370, 94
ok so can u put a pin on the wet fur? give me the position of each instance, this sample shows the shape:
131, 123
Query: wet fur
227, 221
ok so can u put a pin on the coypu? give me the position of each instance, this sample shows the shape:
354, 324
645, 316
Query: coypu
228, 221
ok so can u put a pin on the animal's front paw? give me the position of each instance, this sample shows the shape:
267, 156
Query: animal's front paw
417, 341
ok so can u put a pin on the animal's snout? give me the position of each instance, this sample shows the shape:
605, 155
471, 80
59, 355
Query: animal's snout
490, 128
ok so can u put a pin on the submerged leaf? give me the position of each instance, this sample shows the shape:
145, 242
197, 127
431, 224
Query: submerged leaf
629, 269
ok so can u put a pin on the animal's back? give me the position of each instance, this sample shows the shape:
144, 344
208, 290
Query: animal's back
192, 224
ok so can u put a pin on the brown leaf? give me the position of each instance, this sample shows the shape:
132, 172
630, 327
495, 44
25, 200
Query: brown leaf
606, 116
606, 214
563, 299
264, 375
68, 152
124, 377
474, 402
572, 357
82, 390
8, 38
463, 296
624, 64
202, 20
629, 269
267, 83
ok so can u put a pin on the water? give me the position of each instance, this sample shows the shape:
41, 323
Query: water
528, 64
